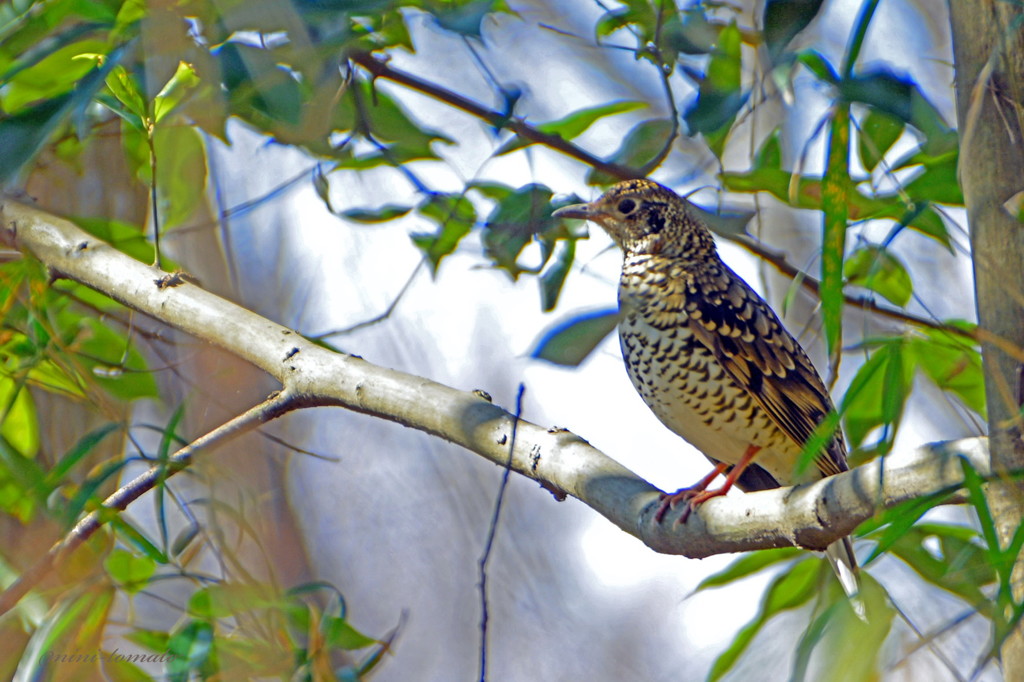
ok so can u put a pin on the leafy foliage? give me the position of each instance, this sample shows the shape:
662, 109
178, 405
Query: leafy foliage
75, 71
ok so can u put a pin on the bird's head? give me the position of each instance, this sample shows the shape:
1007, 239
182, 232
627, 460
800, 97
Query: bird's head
643, 217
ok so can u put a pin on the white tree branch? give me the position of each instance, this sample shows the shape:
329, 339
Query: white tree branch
809, 516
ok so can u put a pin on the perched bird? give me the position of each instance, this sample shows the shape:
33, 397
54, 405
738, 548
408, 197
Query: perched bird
709, 356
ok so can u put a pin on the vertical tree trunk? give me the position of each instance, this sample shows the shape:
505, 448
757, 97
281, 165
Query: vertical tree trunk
988, 48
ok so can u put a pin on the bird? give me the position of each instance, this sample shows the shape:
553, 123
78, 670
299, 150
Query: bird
710, 357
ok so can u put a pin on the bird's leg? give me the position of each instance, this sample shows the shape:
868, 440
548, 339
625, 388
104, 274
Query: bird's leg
670, 500
698, 494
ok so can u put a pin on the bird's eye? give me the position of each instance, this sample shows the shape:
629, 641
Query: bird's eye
626, 206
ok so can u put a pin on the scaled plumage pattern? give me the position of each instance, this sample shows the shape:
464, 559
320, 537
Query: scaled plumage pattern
709, 356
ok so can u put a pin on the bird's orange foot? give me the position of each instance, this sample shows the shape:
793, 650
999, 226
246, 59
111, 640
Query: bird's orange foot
693, 497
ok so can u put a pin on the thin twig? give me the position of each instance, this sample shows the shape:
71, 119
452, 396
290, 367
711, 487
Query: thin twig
274, 406
492, 532
380, 69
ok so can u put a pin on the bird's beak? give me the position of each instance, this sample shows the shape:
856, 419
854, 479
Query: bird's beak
581, 212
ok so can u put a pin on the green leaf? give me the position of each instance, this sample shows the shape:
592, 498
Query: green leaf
835, 192
123, 86
125, 237
769, 155
961, 568
23, 487
192, 647
454, 216
54, 75
788, 591
181, 173
465, 18
720, 96
222, 600
127, 532
819, 65
938, 183
748, 564
55, 637
878, 391
896, 521
322, 186
571, 340
572, 125
85, 445
132, 572
878, 133
114, 362
689, 32
953, 365
513, 223
20, 423
258, 87
875, 268
177, 88
553, 278
340, 634
853, 647
900, 97
375, 215
641, 145
783, 20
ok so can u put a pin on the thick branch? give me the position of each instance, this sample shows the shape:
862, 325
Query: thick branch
809, 516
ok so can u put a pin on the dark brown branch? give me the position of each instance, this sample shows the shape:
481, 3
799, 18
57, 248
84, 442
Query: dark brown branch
380, 69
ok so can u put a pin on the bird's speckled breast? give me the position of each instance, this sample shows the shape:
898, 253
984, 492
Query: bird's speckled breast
678, 376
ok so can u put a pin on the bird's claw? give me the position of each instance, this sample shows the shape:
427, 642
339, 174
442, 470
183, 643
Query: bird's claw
670, 500
692, 496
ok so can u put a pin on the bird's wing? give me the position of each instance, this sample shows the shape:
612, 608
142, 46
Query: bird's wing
750, 343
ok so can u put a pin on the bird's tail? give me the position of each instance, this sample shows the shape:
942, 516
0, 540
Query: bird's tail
844, 563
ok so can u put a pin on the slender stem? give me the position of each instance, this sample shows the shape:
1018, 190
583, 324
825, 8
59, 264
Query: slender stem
867, 11
274, 406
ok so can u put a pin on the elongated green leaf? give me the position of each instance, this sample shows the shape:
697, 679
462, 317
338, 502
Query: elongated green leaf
641, 145
553, 278
788, 591
339, 633
572, 125
783, 20
747, 565
514, 222
181, 173
878, 133
132, 572
953, 365
18, 410
375, 215
51, 76
570, 341
85, 445
454, 216
720, 96
192, 647
835, 192
878, 391
174, 91
900, 97
123, 86
875, 268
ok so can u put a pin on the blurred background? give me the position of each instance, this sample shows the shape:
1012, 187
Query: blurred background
332, 233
